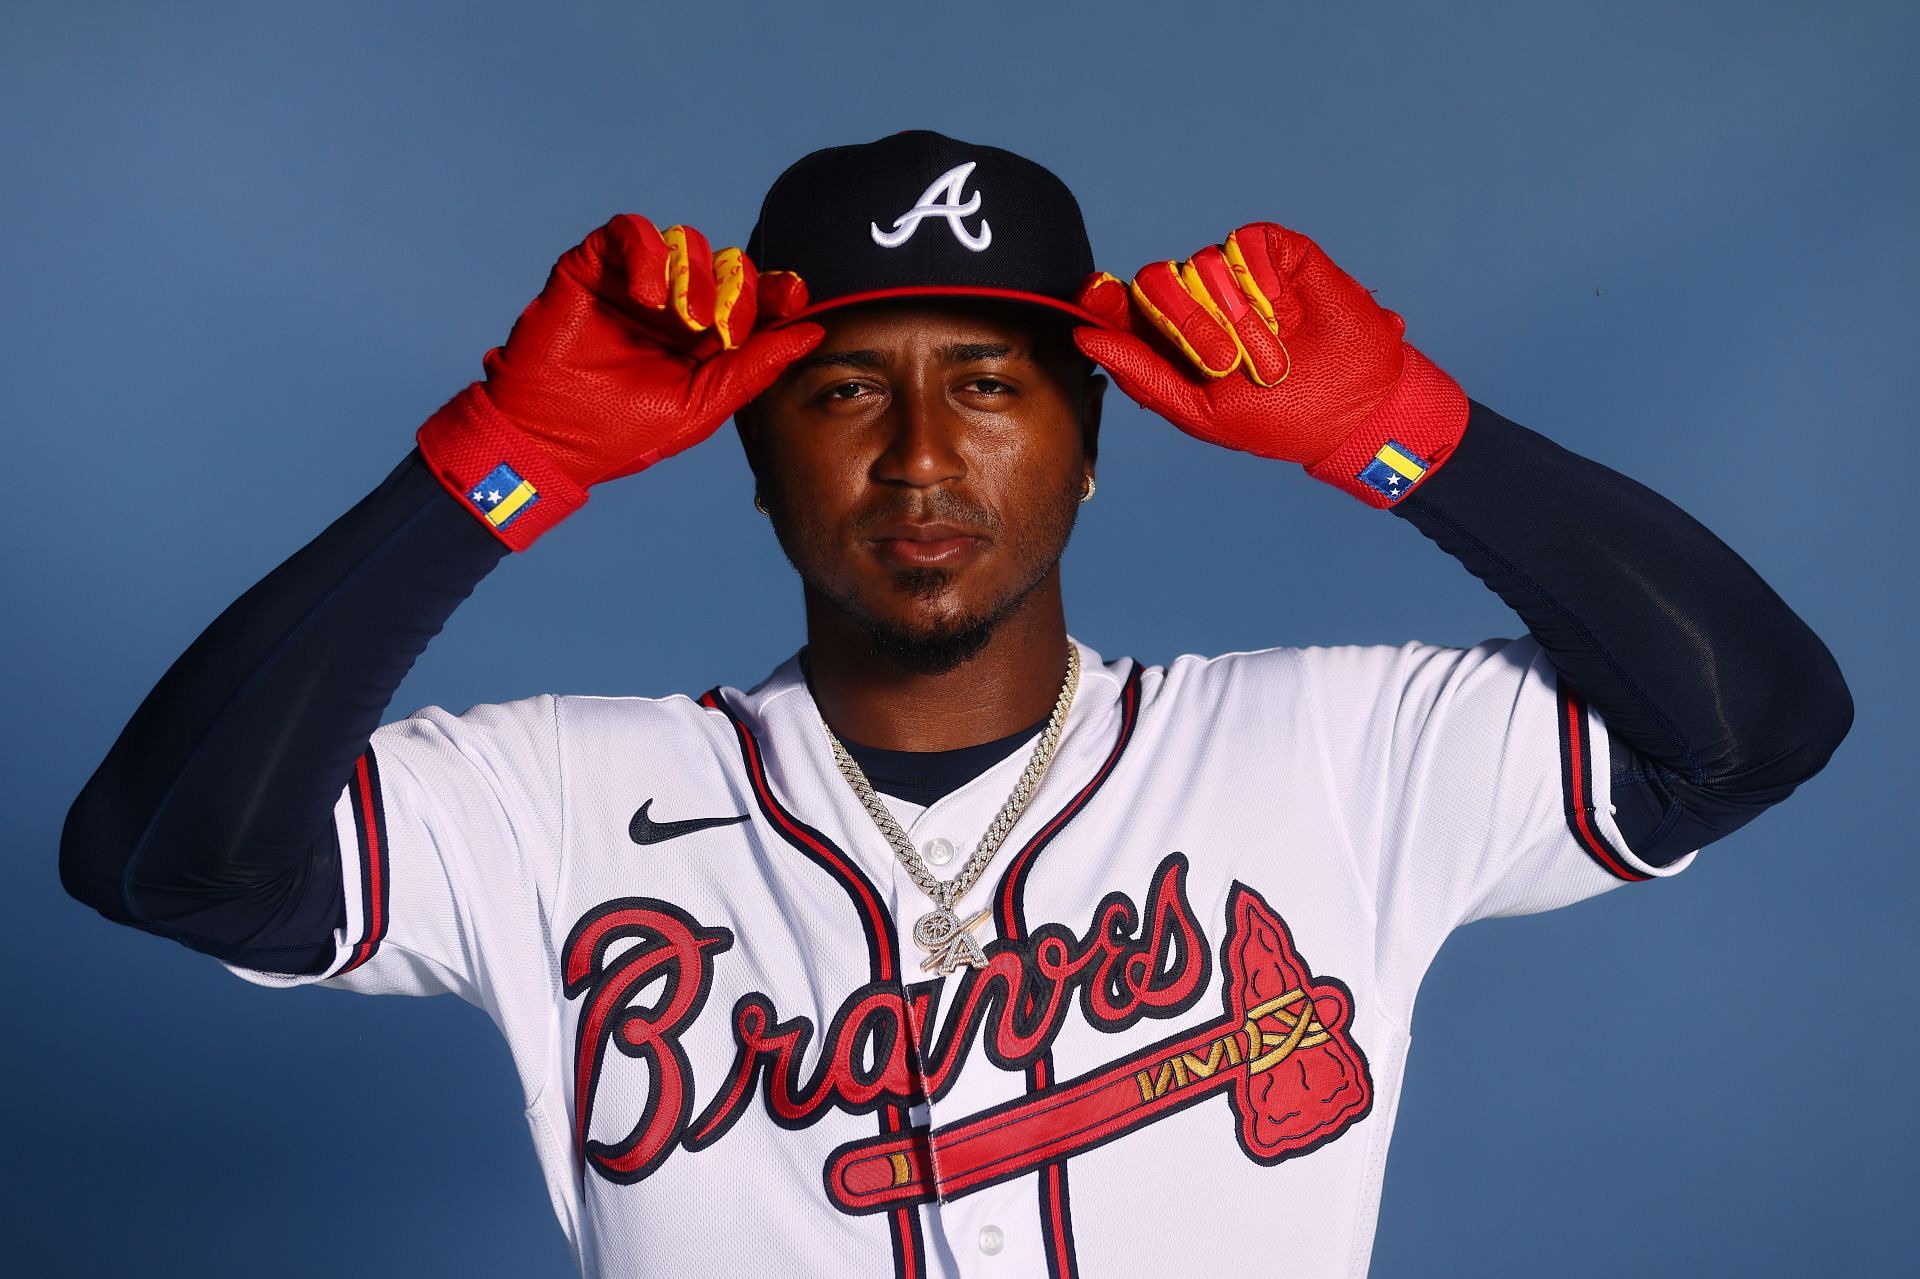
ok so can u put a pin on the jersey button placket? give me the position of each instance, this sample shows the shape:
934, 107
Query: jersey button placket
938, 851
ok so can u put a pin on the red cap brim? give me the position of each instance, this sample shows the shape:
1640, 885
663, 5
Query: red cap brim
948, 291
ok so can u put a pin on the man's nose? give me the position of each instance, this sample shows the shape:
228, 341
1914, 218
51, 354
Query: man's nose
923, 449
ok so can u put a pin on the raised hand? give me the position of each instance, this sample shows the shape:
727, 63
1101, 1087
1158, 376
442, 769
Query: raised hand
641, 344
1264, 345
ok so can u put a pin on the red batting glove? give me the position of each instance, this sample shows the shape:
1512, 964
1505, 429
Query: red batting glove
1278, 352
640, 345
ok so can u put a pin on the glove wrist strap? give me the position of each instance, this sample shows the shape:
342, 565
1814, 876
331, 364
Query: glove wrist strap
1405, 440
495, 471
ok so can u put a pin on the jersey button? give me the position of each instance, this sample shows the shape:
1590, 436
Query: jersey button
992, 1240
938, 852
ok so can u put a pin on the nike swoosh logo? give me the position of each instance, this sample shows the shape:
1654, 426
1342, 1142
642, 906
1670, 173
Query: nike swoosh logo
644, 830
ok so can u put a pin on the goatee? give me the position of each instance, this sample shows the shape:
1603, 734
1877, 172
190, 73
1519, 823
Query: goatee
936, 651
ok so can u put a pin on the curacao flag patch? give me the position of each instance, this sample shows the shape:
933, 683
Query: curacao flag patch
1393, 470
502, 496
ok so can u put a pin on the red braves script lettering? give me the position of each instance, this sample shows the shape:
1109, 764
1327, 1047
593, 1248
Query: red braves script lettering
881, 1046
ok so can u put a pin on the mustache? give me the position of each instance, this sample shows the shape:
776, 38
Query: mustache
927, 506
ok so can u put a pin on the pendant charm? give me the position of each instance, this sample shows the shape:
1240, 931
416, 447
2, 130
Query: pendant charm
948, 941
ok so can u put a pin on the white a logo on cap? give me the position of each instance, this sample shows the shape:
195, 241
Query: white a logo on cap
941, 200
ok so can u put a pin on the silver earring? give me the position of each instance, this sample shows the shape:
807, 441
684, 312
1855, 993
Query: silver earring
1087, 496
761, 506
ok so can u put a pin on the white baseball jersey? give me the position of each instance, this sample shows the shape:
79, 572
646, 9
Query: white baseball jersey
1204, 938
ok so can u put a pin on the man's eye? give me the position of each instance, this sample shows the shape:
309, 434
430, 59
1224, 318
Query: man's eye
844, 391
990, 386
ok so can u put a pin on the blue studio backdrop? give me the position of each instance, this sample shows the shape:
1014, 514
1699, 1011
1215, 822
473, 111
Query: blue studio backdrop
249, 247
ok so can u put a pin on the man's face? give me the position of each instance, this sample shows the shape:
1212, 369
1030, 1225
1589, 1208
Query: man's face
924, 466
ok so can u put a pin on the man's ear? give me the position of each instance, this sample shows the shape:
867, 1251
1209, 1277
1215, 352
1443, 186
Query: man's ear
1090, 405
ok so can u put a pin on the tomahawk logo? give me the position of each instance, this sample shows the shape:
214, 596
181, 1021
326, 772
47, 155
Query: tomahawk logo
946, 198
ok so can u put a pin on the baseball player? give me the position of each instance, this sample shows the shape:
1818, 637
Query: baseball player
952, 947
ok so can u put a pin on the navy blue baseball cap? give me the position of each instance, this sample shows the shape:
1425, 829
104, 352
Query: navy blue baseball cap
919, 214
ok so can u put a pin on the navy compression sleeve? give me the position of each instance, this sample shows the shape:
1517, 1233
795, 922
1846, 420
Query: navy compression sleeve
1718, 699
210, 821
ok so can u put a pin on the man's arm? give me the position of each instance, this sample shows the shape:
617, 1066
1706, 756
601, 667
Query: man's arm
1718, 699
210, 819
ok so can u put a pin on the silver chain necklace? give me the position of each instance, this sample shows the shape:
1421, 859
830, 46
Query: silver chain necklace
947, 939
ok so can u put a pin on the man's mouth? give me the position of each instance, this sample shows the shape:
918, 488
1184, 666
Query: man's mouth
929, 545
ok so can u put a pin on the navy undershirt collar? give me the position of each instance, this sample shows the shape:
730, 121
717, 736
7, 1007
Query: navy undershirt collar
922, 777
